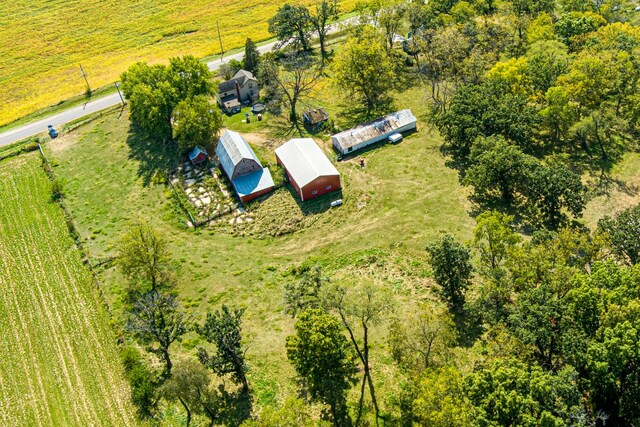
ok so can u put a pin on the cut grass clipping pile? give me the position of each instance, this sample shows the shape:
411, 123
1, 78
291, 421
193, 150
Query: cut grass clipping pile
42, 44
59, 360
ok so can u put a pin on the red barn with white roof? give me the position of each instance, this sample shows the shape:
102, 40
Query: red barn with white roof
309, 170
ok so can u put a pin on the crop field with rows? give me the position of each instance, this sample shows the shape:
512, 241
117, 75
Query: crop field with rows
60, 364
43, 43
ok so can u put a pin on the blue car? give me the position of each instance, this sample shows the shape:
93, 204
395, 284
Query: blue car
52, 132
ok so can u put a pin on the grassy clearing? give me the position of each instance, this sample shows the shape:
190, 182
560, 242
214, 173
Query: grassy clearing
41, 44
404, 197
59, 360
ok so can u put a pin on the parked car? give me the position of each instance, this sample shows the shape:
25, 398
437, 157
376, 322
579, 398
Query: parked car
52, 132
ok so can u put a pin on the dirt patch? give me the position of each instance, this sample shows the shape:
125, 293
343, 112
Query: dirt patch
260, 139
61, 144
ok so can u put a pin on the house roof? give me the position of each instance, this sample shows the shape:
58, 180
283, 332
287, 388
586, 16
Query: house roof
305, 161
241, 77
316, 116
230, 101
232, 149
373, 129
253, 182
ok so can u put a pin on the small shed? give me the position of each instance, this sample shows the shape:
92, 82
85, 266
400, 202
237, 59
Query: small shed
309, 170
374, 131
243, 167
197, 155
316, 117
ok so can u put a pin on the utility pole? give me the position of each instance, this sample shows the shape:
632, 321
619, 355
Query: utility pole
220, 39
83, 74
119, 93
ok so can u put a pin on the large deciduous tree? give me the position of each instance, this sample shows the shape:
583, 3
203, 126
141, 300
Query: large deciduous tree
292, 24
623, 233
143, 256
360, 307
190, 385
439, 399
157, 319
451, 264
498, 170
224, 329
511, 393
293, 82
554, 188
494, 238
154, 91
325, 12
422, 341
485, 110
151, 98
195, 122
364, 69
322, 357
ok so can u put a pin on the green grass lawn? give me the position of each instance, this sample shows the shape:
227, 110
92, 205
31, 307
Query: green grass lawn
404, 197
60, 364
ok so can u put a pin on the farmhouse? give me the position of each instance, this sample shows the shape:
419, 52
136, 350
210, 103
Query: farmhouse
242, 166
372, 132
243, 87
309, 170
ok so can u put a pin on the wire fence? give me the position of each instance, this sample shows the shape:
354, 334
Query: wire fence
75, 234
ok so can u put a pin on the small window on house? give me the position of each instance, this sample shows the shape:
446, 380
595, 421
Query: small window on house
350, 149
251, 92
314, 192
250, 85
328, 187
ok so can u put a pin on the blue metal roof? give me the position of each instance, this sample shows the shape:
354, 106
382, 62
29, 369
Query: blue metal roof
253, 182
195, 152
232, 148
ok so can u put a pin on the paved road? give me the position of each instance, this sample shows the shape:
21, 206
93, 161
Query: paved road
34, 128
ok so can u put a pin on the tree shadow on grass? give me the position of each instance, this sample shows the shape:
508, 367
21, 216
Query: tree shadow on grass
353, 113
236, 407
467, 324
153, 155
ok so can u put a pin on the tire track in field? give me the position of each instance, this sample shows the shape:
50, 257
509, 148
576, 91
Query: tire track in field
31, 392
25, 333
60, 300
52, 312
81, 280
21, 252
90, 318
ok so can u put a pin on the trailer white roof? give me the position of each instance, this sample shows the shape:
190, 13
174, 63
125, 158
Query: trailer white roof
373, 129
305, 161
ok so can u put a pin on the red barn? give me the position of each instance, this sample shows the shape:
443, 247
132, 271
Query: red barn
309, 170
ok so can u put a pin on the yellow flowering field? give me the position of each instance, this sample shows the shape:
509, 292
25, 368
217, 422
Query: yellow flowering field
42, 43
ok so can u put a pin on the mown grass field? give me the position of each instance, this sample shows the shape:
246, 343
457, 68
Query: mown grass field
60, 364
405, 197
43, 43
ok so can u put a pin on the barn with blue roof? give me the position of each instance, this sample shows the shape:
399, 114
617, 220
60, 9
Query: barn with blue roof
243, 167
